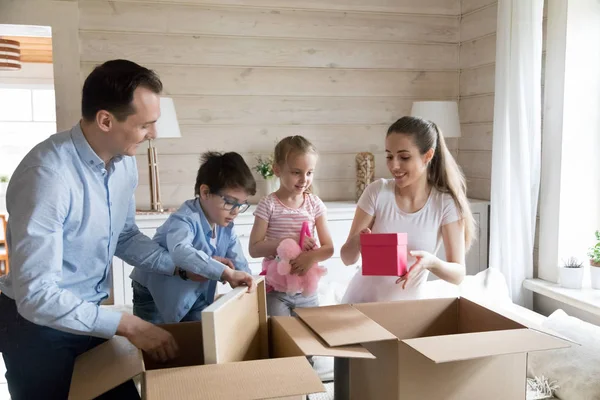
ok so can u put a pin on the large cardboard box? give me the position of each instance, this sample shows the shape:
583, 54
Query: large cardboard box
226, 356
451, 349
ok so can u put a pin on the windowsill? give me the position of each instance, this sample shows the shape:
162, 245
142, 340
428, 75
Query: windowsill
585, 299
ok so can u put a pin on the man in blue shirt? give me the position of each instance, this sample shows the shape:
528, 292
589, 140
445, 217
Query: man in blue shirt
71, 209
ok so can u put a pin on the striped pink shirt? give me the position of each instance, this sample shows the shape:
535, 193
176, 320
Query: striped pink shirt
287, 222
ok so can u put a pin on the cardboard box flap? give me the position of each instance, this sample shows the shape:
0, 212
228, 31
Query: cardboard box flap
248, 380
291, 337
516, 317
447, 348
110, 364
342, 325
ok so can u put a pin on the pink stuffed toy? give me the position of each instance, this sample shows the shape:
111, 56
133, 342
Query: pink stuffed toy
278, 270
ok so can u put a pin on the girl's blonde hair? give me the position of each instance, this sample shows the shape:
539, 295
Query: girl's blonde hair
443, 172
292, 145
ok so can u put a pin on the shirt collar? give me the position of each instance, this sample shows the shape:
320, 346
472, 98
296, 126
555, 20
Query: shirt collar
86, 153
203, 221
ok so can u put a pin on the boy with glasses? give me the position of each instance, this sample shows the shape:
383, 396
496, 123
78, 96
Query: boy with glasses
201, 240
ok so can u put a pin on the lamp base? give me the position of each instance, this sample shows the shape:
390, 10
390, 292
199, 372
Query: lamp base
155, 203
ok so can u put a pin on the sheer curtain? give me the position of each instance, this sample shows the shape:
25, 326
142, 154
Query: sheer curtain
516, 144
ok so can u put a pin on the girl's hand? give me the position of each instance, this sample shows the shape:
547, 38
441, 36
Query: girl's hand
302, 263
309, 243
424, 261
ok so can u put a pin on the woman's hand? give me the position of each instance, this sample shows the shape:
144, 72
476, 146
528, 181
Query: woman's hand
425, 261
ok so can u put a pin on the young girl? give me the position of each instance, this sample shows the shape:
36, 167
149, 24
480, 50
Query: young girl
280, 215
426, 199
202, 242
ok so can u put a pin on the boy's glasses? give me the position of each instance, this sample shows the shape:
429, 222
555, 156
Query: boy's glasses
230, 204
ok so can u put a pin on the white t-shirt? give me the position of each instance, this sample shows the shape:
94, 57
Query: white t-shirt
423, 229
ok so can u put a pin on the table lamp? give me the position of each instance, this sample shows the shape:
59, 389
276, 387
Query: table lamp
166, 127
443, 113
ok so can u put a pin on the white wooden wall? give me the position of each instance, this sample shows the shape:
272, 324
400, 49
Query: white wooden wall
477, 64
245, 73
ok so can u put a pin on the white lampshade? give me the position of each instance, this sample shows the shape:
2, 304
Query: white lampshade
167, 125
443, 113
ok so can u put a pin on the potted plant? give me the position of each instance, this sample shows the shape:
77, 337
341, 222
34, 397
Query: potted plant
594, 255
3, 184
264, 166
570, 275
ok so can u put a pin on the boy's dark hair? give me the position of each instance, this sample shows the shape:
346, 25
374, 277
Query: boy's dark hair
110, 87
224, 171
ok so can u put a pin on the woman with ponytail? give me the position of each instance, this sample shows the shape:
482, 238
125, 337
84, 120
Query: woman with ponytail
426, 198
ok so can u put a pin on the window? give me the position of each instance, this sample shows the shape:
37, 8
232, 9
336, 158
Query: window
570, 196
27, 117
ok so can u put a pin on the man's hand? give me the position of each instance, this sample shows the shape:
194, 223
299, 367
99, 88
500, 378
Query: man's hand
225, 261
239, 278
155, 341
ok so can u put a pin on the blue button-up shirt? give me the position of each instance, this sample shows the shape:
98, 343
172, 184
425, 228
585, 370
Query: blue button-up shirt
69, 213
187, 234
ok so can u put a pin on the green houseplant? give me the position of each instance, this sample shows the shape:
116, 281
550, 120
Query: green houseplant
570, 274
3, 184
264, 167
594, 255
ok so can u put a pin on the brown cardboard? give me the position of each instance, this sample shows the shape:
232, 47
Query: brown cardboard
262, 379
446, 348
451, 348
291, 337
236, 318
342, 325
235, 335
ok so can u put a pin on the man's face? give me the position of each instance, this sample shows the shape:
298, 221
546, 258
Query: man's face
125, 136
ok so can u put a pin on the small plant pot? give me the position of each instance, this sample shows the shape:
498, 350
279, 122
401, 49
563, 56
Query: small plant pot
595, 274
272, 184
570, 278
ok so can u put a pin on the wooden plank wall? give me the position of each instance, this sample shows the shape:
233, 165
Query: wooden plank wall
244, 73
476, 105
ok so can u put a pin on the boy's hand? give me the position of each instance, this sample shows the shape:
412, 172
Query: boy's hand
239, 278
302, 263
225, 261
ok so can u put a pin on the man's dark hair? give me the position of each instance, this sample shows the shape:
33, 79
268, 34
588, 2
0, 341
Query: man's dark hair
110, 87
224, 171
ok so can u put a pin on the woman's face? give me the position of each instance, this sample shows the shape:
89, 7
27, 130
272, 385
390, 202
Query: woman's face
404, 160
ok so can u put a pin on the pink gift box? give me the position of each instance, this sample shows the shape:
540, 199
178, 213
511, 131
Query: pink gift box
384, 254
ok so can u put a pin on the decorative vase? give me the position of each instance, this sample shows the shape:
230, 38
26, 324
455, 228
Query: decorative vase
595, 274
272, 184
365, 172
570, 278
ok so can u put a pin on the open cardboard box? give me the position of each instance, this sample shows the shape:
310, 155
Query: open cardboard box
450, 348
226, 356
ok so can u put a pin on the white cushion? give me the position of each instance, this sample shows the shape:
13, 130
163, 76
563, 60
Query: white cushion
575, 369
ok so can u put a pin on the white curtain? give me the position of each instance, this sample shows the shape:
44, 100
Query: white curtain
516, 142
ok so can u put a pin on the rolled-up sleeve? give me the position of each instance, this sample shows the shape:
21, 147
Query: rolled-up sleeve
236, 254
180, 244
39, 204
